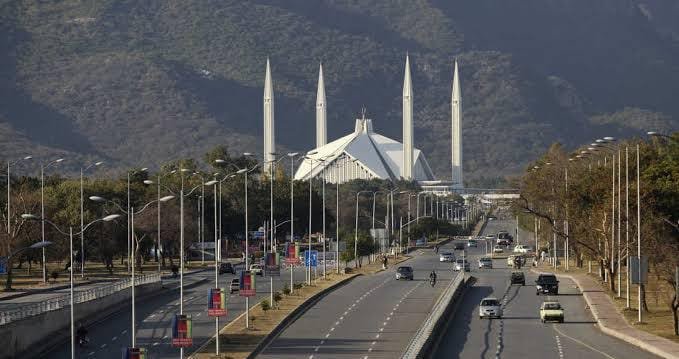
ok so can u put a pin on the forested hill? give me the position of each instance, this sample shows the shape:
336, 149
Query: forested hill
141, 82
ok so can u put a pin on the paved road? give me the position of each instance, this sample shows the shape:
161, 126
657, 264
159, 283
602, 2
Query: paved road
154, 318
520, 334
371, 317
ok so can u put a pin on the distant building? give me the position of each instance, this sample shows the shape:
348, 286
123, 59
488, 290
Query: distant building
362, 154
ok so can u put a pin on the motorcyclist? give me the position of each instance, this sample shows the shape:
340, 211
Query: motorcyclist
175, 270
81, 334
436, 248
432, 277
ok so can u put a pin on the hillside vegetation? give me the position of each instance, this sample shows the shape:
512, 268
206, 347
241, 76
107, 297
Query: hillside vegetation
143, 82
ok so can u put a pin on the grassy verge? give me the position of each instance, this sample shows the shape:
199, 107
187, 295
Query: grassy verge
237, 342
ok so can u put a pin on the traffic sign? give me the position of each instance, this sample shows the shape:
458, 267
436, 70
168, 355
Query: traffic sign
314, 258
3, 265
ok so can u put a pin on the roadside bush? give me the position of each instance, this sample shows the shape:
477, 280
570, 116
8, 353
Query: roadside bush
298, 285
55, 275
266, 305
286, 290
277, 297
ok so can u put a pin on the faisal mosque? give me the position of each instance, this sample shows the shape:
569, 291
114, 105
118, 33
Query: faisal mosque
365, 154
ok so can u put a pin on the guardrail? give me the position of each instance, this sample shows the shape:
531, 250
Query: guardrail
33, 309
417, 344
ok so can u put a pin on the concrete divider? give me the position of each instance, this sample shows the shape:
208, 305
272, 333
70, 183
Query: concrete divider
27, 338
426, 338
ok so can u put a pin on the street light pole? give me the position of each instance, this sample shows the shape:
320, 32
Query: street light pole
82, 215
639, 236
627, 280
43, 167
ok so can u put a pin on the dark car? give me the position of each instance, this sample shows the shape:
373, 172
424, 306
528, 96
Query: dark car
226, 268
547, 284
404, 272
459, 246
518, 278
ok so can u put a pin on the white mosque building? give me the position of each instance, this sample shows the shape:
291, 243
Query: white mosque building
364, 154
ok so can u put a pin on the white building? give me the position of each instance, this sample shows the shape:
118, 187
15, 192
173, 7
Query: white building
362, 154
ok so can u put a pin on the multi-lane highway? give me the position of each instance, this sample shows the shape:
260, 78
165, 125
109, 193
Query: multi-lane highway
371, 317
154, 318
520, 334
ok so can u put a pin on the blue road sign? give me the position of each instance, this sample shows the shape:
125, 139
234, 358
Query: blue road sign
3, 265
314, 258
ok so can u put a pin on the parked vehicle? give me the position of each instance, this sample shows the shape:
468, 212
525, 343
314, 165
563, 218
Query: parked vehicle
226, 268
517, 278
404, 272
547, 284
490, 308
472, 243
551, 311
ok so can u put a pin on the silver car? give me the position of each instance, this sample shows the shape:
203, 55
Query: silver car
446, 257
490, 308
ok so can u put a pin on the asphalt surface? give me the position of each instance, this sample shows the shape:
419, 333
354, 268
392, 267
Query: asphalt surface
373, 316
520, 334
154, 317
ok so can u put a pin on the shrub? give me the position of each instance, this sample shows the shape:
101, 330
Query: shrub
298, 285
286, 290
55, 275
277, 297
266, 305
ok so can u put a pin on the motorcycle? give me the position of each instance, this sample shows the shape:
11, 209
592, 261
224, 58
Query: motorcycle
83, 341
432, 281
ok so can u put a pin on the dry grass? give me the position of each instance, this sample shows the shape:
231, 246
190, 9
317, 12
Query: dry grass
237, 342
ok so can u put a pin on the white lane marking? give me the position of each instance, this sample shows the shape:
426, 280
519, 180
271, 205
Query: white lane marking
337, 323
165, 337
388, 318
377, 336
370, 349
156, 344
124, 331
332, 329
322, 342
114, 339
381, 330
373, 343
581, 343
316, 349
90, 354
103, 346
311, 357
327, 335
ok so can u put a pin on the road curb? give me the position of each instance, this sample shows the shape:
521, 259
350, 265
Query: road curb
296, 313
593, 307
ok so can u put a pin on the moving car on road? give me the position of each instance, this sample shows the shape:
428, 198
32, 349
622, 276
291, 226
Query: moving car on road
226, 268
513, 259
485, 262
551, 311
234, 286
498, 249
547, 284
256, 269
446, 257
490, 308
472, 243
461, 262
518, 278
520, 248
404, 272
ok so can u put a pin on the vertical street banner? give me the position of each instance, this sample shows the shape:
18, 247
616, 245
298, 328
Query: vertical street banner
273, 264
216, 302
182, 331
247, 284
292, 254
135, 353
3, 265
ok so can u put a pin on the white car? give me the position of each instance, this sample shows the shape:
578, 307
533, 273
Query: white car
490, 308
498, 249
520, 248
256, 269
461, 262
446, 257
